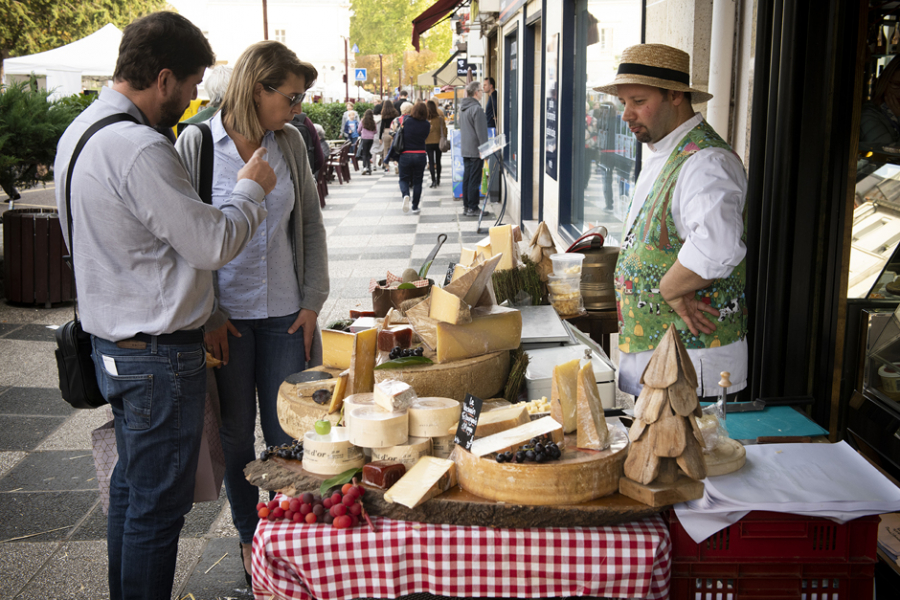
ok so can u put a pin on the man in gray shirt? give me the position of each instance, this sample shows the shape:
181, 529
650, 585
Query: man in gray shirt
144, 247
472, 133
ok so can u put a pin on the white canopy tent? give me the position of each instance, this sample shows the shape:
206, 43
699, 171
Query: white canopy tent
91, 56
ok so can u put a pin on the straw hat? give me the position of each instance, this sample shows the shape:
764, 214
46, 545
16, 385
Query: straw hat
656, 65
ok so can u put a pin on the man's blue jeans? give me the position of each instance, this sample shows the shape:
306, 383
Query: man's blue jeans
259, 361
472, 182
157, 396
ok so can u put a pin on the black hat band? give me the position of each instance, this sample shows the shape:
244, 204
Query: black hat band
658, 72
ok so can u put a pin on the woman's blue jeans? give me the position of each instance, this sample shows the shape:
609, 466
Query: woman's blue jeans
412, 169
157, 395
259, 362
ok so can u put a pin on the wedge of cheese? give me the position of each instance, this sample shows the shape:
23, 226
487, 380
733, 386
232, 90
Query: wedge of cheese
428, 478
564, 394
448, 308
503, 241
473, 284
496, 421
337, 348
483, 248
459, 271
592, 431
466, 257
362, 363
493, 328
340, 390
393, 395
513, 439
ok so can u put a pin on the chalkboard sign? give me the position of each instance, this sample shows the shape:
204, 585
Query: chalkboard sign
468, 421
449, 275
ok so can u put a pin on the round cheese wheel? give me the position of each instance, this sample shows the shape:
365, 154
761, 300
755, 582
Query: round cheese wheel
442, 446
355, 401
408, 453
430, 417
373, 427
332, 453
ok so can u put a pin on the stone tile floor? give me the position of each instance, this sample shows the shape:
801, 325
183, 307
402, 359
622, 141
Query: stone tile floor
52, 528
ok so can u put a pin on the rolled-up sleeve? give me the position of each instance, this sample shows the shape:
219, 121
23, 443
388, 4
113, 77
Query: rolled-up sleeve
708, 211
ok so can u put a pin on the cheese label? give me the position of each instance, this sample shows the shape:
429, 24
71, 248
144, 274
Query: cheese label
407, 454
442, 446
468, 421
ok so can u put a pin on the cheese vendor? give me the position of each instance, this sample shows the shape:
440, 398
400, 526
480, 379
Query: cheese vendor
682, 261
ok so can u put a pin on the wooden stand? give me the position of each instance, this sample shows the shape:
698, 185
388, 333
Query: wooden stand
669, 487
727, 457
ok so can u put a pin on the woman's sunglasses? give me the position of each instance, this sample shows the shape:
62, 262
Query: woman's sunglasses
294, 100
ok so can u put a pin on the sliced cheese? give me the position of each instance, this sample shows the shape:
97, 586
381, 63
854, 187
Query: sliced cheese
393, 395
512, 439
493, 328
466, 256
495, 421
340, 390
408, 454
337, 348
430, 417
428, 478
459, 271
482, 376
564, 394
474, 285
332, 453
484, 249
356, 401
362, 363
372, 427
442, 446
592, 431
502, 241
448, 308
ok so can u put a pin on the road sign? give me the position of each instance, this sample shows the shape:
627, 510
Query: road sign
360, 74
355, 49
462, 66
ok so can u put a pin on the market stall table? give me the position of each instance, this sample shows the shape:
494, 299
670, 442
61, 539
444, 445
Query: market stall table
629, 560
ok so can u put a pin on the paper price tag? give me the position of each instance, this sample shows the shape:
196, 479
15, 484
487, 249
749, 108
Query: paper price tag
468, 421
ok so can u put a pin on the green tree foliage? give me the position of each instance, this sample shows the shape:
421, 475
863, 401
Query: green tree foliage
30, 128
30, 26
385, 27
329, 115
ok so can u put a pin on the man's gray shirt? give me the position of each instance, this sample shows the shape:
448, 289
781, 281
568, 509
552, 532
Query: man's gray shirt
472, 127
145, 245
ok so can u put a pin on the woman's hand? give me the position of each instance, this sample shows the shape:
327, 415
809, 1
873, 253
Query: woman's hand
307, 320
217, 341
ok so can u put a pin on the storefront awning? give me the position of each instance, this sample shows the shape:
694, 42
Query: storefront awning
431, 17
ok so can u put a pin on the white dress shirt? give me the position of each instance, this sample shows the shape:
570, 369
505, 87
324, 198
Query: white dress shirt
707, 207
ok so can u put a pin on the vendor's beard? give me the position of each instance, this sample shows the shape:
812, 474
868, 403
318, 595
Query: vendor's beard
170, 112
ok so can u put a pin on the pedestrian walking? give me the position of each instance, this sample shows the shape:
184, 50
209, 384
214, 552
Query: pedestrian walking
367, 132
351, 127
473, 133
433, 143
377, 145
388, 114
411, 162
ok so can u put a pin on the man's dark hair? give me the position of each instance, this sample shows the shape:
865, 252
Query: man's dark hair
404, 94
162, 40
492, 82
665, 93
377, 109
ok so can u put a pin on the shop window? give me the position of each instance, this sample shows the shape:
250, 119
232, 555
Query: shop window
605, 156
511, 103
280, 36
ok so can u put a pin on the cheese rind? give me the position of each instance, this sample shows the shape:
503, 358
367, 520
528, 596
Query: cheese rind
332, 453
432, 417
493, 328
356, 401
512, 439
393, 395
564, 394
337, 348
407, 454
340, 390
428, 478
442, 446
372, 427
499, 420
362, 363
448, 308
484, 249
482, 376
458, 271
502, 241
593, 433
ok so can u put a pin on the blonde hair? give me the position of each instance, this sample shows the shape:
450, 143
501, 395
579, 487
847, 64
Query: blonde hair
406, 108
352, 115
268, 63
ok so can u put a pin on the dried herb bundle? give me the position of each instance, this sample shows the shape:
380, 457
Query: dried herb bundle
518, 366
508, 284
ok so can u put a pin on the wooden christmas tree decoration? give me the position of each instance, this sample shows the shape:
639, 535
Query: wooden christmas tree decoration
664, 435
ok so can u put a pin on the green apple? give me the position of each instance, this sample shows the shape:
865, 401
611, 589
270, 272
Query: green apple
323, 427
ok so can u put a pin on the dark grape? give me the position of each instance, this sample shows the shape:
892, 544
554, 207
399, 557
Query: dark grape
501, 458
529, 455
520, 456
538, 447
420, 351
539, 457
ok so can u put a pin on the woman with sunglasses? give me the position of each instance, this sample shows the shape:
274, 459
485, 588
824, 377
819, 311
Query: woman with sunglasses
269, 297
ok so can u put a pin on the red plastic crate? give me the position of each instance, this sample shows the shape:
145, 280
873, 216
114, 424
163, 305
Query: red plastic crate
766, 537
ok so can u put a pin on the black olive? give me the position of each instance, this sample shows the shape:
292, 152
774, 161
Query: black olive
321, 396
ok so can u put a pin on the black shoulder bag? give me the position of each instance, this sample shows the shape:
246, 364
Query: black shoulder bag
77, 376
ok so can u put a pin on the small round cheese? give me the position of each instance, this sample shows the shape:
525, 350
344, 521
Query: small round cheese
442, 446
332, 453
372, 427
408, 453
430, 417
355, 401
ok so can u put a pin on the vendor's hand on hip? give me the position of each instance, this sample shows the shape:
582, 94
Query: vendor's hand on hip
692, 310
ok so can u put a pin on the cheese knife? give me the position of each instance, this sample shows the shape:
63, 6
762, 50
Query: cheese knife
423, 272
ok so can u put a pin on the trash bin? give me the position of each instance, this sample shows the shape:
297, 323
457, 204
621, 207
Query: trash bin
33, 250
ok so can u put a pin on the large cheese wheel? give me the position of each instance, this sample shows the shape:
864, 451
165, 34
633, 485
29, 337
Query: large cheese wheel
442, 446
355, 401
408, 453
332, 453
297, 413
431, 417
481, 376
372, 427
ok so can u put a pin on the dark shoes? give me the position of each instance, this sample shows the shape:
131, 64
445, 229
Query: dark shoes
247, 576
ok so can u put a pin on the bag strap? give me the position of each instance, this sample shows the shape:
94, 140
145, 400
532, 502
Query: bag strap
206, 163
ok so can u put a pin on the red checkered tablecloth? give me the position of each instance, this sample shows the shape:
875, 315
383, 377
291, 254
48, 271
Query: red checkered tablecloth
318, 561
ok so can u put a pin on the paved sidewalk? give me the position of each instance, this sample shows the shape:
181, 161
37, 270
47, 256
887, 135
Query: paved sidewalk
52, 528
